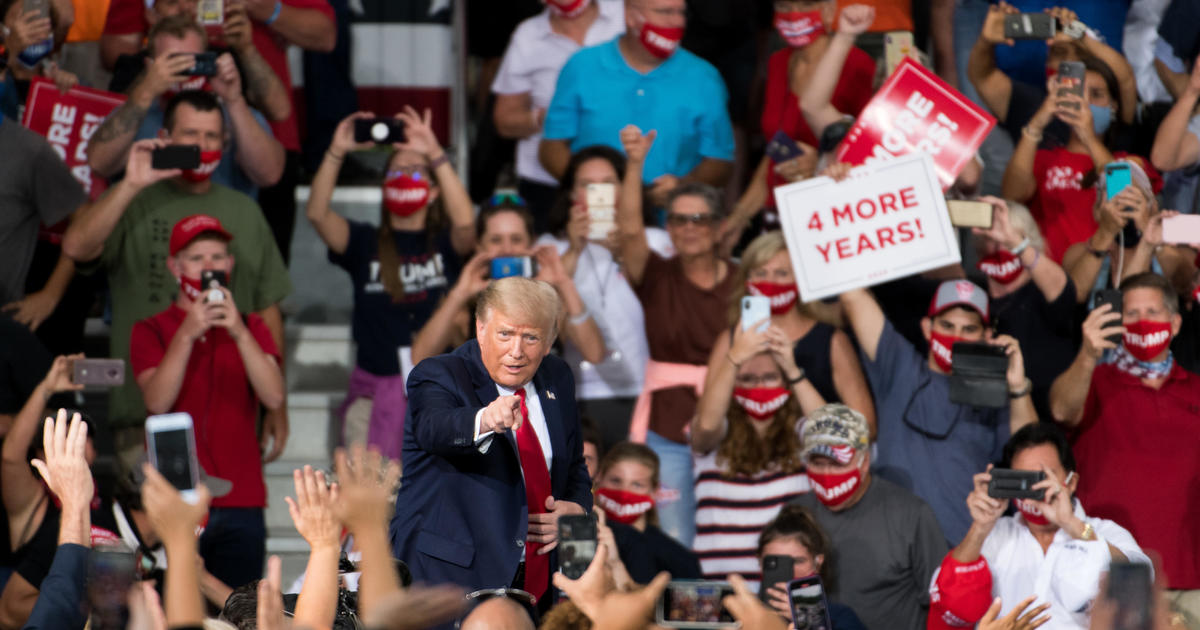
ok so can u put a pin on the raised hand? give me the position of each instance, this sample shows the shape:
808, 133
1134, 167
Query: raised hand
993, 25
138, 171
312, 509
270, 599
65, 468
1017, 618
228, 81
58, 379
237, 30
984, 509
855, 19
418, 133
1101, 323
1016, 361
165, 71
173, 517
747, 609
637, 144
747, 344
500, 415
366, 483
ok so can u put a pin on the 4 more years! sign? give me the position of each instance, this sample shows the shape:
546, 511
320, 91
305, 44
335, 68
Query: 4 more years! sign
68, 121
883, 222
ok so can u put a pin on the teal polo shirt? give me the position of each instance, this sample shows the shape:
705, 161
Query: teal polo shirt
683, 98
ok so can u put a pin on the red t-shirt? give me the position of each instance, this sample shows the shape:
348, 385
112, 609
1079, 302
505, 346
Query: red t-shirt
1138, 466
128, 16
1061, 205
781, 109
218, 395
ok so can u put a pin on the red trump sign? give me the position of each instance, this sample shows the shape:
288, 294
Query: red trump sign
68, 122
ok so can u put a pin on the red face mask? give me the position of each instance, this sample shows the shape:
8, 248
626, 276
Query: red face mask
1196, 294
622, 506
567, 8
194, 83
660, 41
761, 403
799, 28
1145, 339
836, 488
209, 160
405, 194
1001, 266
942, 348
783, 296
192, 289
1030, 512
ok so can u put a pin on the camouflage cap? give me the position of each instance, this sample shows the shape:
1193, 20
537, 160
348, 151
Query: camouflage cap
835, 431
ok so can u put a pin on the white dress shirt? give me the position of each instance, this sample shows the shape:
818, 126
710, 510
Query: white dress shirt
1067, 575
537, 419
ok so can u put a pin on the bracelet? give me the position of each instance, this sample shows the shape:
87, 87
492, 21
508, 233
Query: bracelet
275, 14
576, 320
735, 364
1036, 137
333, 155
1016, 251
440, 160
792, 381
1098, 253
1026, 387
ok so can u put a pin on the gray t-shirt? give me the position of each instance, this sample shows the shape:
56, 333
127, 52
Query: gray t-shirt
885, 549
35, 188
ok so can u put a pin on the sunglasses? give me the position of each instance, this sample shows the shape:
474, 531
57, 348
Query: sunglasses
703, 219
524, 598
506, 199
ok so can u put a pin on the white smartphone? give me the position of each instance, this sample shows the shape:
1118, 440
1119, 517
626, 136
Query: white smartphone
1182, 228
171, 445
602, 210
755, 309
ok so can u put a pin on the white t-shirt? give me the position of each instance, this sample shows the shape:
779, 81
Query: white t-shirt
618, 313
1067, 575
531, 64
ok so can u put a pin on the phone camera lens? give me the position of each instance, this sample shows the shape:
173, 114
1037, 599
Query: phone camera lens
379, 131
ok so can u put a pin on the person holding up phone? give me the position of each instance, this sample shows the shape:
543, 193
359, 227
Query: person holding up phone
1010, 556
400, 270
1128, 239
1144, 478
207, 359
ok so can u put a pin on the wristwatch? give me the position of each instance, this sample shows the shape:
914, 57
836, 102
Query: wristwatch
1075, 30
792, 381
1026, 387
1088, 533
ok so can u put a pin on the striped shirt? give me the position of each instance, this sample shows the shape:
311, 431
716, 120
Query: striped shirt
731, 513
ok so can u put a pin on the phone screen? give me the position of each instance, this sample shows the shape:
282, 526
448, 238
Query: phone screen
809, 611
111, 573
696, 602
576, 544
172, 457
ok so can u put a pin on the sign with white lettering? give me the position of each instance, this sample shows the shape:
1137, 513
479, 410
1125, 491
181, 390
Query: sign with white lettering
68, 122
883, 222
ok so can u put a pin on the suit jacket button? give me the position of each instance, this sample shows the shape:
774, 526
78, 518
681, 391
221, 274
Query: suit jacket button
521, 544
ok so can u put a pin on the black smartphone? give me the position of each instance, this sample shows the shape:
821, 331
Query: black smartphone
782, 148
211, 282
102, 372
1029, 26
694, 604
1007, 483
111, 573
1130, 587
1070, 79
204, 64
810, 609
978, 375
776, 570
184, 156
576, 543
379, 130
1113, 298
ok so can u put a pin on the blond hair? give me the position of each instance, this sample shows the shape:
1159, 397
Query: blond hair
756, 254
534, 301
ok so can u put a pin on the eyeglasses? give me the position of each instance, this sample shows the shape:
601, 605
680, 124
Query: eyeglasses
753, 380
703, 219
506, 199
524, 598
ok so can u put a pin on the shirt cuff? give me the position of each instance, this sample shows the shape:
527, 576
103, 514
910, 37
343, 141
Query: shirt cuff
482, 441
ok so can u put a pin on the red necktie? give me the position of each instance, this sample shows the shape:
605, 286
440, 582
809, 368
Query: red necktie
537, 488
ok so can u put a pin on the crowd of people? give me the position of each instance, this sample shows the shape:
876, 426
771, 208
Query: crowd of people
573, 345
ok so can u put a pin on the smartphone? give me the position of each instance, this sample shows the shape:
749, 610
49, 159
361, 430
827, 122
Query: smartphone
184, 156
34, 53
1016, 484
755, 309
1116, 178
1130, 587
506, 266
896, 46
41, 6
782, 148
1181, 228
212, 280
102, 372
810, 609
1029, 26
601, 201
1113, 298
776, 570
977, 375
1070, 80
970, 213
171, 446
694, 604
210, 12
111, 573
576, 543
204, 64
379, 130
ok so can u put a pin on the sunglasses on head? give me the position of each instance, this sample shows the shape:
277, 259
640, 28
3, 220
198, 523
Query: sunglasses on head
524, 598
701, 219
506, 199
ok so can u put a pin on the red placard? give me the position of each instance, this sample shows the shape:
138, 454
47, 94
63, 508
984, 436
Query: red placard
68, 122
915, 111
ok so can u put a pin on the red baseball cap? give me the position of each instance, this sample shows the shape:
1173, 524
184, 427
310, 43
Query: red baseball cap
188, 228
959, 595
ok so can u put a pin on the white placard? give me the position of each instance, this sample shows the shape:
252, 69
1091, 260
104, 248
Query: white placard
883, 222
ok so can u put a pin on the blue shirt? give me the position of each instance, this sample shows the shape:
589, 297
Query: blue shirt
1026, 61
683, 99
228, 173
926, 443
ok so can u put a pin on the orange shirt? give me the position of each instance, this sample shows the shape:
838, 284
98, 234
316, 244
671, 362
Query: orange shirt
890, 15
89, 20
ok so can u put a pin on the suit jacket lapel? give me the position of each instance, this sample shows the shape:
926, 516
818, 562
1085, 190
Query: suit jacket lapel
558, 442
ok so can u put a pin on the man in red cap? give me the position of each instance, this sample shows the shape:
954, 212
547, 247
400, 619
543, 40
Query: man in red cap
926, 443
201, 356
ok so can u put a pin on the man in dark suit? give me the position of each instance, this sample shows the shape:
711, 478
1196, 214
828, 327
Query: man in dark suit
492, 452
